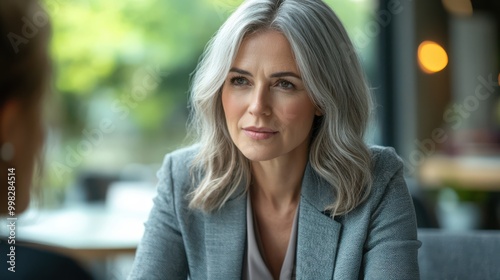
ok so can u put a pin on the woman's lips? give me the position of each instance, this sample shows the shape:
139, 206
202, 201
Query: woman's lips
259, 133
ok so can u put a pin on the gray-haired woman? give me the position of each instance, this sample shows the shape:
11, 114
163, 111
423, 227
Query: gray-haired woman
280, 184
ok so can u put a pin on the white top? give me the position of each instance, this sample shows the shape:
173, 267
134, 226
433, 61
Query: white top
254, 267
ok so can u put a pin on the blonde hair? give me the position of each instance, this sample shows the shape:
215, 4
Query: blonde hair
332, 75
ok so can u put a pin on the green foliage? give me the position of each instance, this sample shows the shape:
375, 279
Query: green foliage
95, 39
464, 193
99, 45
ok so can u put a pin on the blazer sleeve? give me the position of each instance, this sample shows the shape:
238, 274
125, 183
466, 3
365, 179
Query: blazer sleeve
391, 247
161, 253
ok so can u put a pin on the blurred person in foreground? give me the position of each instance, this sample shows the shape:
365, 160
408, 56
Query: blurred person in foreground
24, 80
280, 184
24, 76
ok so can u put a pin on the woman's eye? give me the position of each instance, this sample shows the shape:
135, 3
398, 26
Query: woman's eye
239, 81
285, 84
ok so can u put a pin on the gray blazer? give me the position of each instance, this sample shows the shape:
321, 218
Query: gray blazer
377, 240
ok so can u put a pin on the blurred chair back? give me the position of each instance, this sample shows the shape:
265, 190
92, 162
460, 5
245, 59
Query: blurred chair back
459, 255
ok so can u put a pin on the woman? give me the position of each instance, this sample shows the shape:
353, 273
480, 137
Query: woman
23, 82
280, 184
24, 76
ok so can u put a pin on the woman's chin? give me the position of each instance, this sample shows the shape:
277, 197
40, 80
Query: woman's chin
254, 155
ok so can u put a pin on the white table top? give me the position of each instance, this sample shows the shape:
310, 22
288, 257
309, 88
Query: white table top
86, 229
82, 228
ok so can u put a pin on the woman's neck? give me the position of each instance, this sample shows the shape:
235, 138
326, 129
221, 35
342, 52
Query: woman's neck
278, 182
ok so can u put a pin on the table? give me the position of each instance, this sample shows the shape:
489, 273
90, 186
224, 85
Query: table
89, 232
85, 233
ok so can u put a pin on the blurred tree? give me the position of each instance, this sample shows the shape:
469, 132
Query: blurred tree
126, 65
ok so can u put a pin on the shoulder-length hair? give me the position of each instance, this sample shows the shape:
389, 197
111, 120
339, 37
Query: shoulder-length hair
333, 78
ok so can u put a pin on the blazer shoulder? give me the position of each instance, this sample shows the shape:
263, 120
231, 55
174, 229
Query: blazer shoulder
177, 164
386, 167
385, 160
183, 156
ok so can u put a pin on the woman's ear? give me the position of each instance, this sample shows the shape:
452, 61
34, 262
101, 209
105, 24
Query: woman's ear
318, 113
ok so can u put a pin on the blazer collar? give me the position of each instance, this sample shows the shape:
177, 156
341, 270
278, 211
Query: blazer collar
315, 190
318, 234
225, 238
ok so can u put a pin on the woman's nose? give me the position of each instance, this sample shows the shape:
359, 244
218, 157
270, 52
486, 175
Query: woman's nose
260, 101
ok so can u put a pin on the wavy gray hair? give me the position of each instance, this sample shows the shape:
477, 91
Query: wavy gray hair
334, 79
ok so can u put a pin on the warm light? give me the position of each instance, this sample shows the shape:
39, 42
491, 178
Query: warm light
458, 7
432, 57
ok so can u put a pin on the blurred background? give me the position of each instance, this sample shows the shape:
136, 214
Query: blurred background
119, 104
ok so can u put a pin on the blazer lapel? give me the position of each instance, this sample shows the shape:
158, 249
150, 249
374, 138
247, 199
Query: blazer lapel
318, 234
225, 241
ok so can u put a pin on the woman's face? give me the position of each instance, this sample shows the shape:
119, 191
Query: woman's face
268, 111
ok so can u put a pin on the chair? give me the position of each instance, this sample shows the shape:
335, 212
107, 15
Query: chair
459, 255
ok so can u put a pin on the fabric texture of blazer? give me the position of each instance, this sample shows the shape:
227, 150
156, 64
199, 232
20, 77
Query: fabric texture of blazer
377, 240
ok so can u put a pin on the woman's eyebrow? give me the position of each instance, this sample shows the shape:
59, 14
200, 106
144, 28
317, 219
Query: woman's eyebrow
274, 75
240, 71
285, 74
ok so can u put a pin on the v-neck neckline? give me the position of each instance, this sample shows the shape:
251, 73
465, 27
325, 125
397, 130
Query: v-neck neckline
254, 257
